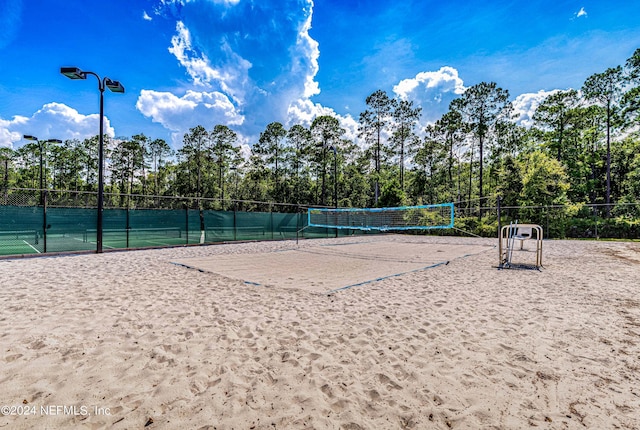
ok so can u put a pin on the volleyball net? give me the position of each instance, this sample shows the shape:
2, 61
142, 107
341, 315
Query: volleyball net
424, 217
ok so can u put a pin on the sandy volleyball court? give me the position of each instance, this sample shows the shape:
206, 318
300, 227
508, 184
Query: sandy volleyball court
127, 340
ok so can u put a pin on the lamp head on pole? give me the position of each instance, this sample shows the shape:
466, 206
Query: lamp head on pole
35, 139
73, 73
114, 86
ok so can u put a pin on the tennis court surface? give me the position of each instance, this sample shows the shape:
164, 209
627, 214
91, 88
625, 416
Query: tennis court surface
331, 267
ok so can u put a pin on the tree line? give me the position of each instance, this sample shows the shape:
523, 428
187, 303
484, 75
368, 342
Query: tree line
582, 147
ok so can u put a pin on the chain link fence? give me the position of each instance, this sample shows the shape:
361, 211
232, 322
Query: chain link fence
34, 221
619, 220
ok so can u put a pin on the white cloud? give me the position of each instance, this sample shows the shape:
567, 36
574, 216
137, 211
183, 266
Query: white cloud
309, 51
146, 16
260, 57
245, 148
199, 67
52, 121
445, 80
178, 114
581, 13
304, 111
350, 126
525, 105
7, 136
431, 90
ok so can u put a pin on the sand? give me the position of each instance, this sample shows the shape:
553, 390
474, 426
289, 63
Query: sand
327, 267
126, 340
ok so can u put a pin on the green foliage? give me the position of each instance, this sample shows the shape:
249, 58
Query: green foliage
510, 182
557, 114
392, 193
485, 226
583, 147
481, 107
544, 181
619, 227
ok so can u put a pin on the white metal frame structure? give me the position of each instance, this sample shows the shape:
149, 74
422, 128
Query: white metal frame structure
512, 232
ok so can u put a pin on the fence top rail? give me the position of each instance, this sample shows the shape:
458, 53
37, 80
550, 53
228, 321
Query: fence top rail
458, 205
174, 197
586, 205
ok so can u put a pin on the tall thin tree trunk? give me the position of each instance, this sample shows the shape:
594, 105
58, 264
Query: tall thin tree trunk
481, 176
470, 178
608, 194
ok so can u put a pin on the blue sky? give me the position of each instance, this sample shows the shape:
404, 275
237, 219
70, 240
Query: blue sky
248, 63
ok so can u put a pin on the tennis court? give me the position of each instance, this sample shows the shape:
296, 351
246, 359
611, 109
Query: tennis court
20, 241
71, 229
32, 241
335, 266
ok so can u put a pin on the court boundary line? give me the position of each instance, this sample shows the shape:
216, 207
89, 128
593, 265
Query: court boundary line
105, 246
337, 290
186, 266
28, 244
442, 263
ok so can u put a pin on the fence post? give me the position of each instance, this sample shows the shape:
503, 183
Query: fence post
499, 216
548, 232
235, 221
186, 221
127, 225
44, 219
297, 222
202, 228
271, 219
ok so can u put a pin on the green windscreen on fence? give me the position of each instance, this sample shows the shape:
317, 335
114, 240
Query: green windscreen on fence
22, 228
66, 229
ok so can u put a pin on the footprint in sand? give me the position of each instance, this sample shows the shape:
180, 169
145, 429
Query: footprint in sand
10, 358
373, 395
388, 382
326, 390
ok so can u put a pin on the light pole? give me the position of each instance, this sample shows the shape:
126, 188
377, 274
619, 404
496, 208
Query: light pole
116, 87
41, 146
